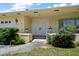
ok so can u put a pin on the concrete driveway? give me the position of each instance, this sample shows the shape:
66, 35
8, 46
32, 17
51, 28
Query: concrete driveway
36, 43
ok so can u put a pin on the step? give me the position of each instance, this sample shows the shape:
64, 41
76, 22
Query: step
39, 37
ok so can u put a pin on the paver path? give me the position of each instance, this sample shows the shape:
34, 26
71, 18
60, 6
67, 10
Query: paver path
22, 48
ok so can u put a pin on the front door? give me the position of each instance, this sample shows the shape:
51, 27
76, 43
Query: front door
39, 26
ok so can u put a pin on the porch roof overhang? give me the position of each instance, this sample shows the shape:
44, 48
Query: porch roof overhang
46, 12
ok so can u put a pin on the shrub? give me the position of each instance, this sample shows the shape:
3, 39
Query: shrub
1, 43
50, 38
20, 41
9, 36
65, 38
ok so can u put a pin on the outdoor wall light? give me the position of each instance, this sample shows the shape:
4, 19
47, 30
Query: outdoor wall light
50, 28
35, 12
3, 15
26, 30
16, 20
18, 13
56, 10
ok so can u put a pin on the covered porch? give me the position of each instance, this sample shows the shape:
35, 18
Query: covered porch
39, 22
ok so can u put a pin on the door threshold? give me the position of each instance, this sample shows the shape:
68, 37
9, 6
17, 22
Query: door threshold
39, 36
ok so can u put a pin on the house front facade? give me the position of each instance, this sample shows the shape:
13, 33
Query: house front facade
38, 22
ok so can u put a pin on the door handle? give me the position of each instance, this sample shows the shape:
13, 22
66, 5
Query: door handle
40, 28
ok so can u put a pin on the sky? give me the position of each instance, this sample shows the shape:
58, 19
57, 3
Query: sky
12, 7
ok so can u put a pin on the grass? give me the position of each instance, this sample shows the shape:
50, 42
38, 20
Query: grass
50, 51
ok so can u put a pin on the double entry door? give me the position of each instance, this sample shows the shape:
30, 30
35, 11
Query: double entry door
39, 26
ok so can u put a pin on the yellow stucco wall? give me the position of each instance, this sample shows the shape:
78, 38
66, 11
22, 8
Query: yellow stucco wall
27, 24
19, 25
53, 23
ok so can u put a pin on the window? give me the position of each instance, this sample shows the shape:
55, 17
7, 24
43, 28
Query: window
60, 23
69, 22
6, 21
9, 21
77, 22
2, 22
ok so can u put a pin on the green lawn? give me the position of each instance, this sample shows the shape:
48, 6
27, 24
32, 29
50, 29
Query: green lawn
50, 51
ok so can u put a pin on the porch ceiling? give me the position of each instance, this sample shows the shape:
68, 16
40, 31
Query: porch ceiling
47, 12
53, 11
